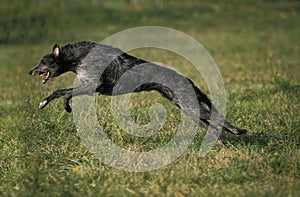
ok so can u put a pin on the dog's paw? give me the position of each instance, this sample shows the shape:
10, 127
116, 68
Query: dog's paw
43, 104
68, 108
242, 131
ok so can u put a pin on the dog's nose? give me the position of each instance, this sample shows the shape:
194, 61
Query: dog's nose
30, 72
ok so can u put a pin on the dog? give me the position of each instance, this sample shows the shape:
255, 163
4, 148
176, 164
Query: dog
100, 68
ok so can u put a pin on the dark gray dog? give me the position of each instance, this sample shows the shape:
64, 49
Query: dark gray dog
101, 68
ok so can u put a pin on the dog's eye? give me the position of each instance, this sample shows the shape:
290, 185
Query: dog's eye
43, 61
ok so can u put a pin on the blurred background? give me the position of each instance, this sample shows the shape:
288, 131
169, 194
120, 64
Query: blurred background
250, 32
33, 21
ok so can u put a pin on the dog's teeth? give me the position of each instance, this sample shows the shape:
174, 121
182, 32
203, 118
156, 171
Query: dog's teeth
47, 77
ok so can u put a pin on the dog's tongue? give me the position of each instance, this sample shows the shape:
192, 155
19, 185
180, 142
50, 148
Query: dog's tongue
47, 77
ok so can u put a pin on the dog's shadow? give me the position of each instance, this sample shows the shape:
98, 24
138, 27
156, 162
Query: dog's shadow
258, 139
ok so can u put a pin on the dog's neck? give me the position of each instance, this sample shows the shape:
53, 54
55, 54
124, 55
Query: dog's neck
72, 54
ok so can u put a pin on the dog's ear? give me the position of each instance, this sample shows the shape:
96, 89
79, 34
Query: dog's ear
56, 50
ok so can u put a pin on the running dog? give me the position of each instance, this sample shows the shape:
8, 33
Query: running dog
101, 68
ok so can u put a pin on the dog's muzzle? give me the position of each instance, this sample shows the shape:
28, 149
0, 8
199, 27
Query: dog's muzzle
34, 70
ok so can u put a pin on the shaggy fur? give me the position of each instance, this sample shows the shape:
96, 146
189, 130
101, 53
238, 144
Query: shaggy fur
110, 71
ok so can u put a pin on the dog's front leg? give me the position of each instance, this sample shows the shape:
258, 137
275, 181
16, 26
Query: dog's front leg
83, 90
56, 94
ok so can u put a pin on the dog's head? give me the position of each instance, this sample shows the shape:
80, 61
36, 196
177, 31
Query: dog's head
49, 65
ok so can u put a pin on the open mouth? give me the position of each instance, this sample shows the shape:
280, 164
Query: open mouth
47, 74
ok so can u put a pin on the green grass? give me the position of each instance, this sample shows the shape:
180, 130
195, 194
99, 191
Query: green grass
256, 46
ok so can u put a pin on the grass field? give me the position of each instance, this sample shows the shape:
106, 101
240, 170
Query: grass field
256, 46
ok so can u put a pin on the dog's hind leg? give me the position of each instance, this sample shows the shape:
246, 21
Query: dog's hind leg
212, 130
225, 124
233, 129
205, 114
215, 115
189, 110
